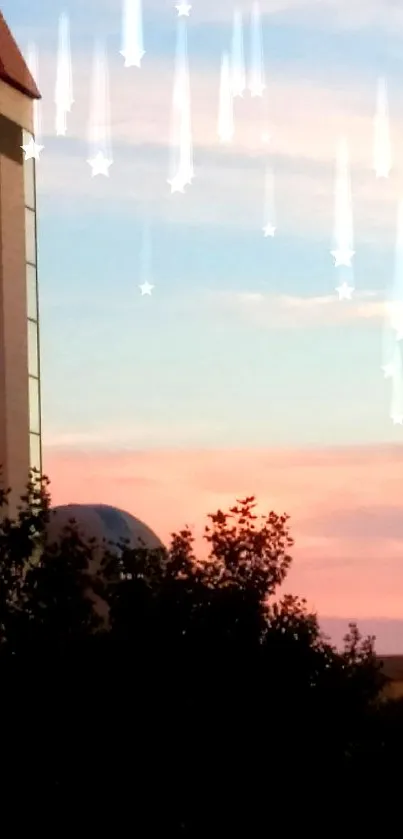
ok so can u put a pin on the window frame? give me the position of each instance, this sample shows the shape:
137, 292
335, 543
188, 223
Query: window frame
32, 291
32, 304
33, 351
30, 237
34, 405
29, 184
35, 460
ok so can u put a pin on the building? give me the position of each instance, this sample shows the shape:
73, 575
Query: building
20, 416
20, 408
392, 668
104, 523
102, 526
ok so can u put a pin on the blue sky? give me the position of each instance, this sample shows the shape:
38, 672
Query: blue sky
215, 356
154, 403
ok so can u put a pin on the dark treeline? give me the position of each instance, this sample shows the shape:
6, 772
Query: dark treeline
178, 694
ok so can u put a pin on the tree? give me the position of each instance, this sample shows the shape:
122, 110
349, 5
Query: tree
206, 686
219, 621
20, 540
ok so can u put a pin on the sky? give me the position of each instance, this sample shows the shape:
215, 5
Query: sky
242, 373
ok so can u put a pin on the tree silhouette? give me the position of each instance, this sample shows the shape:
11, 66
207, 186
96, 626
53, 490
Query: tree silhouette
201, 686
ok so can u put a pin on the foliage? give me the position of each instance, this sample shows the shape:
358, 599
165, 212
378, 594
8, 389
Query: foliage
205, 661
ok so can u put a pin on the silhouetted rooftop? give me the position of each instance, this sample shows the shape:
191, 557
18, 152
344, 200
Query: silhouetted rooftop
13, 68
392, 667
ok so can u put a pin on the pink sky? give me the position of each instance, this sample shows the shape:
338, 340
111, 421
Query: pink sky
343, 503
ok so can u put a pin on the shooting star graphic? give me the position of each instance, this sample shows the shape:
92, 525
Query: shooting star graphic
382, 145
64, 82
256, 76
183, 9
100, 158
226, 103
132, 33
269, 228
343, 227
396, 408
237, 56
33, 149
345, 291
146, 263
390, 351
181, 168
394, 305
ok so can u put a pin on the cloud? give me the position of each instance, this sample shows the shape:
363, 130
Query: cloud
294, 109
341, 14
305, 119
135, 434
364, 524
339, 573
388, 633
283, 311
385, 15
221, 196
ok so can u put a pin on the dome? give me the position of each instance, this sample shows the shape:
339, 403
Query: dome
100, 521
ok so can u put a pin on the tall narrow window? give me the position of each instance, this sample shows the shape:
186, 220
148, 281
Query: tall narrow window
32, 292
33, 363
34, 416
35, 451
29, 183
30, 236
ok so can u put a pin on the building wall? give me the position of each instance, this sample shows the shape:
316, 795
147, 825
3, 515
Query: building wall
19, 394
394, 690
16, 106
32, 311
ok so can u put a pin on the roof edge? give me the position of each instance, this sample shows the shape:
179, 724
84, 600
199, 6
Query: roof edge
32, 92
13, 66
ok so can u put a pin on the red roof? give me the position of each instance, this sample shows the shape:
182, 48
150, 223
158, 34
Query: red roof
13, 68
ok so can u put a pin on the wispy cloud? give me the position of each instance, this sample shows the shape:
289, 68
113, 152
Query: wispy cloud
220, 196
339, 14
170, 431
285, 311
339, 573
305, 116
305, 119
387, 14
370, 523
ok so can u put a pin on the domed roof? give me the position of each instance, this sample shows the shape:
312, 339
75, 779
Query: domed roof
100, 521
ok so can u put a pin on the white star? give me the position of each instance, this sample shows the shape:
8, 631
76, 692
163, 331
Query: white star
345, 291
382, 171
342, 256
177, 184
269, 230
397, 419
266, 137
395, 313
257, 89
389, 370
133, 59
238, 88
226, 136
146, 288
186, 175
183, 9
100, 164
32, 150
